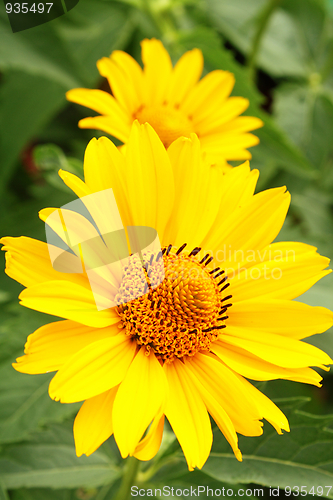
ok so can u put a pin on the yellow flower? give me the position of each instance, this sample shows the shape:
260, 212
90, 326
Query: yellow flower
223, 314
172, 100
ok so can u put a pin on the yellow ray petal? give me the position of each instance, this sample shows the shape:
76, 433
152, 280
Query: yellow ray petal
198, 185
241, 124
266, 407
122, 81
73, 229
105, 124
237, 190
79, 187
283, 317
224, 386
94, 369
281, 351
28, 262
254, 225
184, 76
133, 73
150, 444
149, 179
104, 168
231, 146
255, 368
102, 102
286, 274
216, 410
52, 345
70, 301
187, 415
157, 69
93, 423
233, 107
95, 258
141, 394
208, 94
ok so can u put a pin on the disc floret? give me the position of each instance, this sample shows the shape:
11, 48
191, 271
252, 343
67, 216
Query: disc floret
182, 315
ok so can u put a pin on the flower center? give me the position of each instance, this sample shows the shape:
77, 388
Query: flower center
168, 122
183, 314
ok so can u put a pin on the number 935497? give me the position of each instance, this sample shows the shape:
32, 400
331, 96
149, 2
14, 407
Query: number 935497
24, 8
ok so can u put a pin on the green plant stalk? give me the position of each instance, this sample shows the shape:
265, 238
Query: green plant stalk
130, 473
257, 39
161, 20
64, 6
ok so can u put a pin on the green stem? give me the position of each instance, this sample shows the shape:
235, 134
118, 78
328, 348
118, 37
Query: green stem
129, 476
160, 19
262, 25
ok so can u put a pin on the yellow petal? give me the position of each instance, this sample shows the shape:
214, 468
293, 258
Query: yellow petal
133, 73
282, 317
184, 76
104, 168
28, 262
226, 388
141, 395
266, 407
93, 423
282, 351
102, 102
122, 81
157, 70
70, 301
149, 179
253, 226
232, 107
208, 94
150, 444
250, 366
241, 124
228, 146
237, 188
216, 410
52, 345
105, 124
187, 415
101, 262
94, 369
282, 271
79, 187
198, 185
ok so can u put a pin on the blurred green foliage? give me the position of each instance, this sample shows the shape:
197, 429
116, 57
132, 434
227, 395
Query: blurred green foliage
281, 52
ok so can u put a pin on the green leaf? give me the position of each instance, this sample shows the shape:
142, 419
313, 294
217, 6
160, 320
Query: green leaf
39, 99
49, 158
42, 63
38, 51
93, 30
24, 401
43, 494
20, 217
303, 457
3, 493
287, 46
49, 461
305, 113
66, 50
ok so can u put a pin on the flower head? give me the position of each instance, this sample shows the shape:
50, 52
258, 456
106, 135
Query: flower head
224, 312
172, 100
